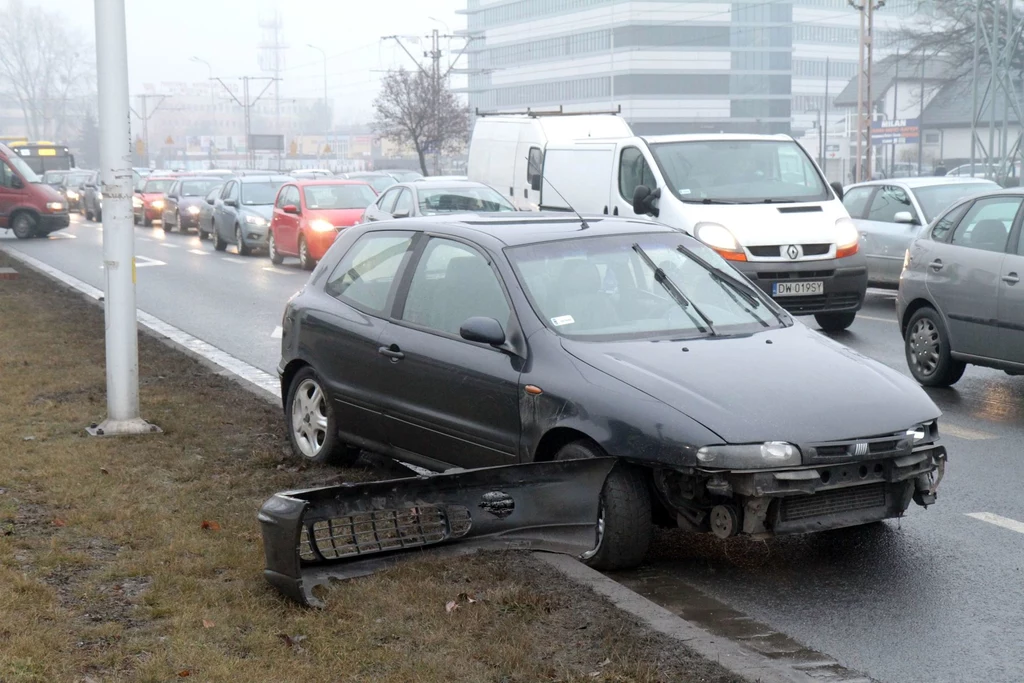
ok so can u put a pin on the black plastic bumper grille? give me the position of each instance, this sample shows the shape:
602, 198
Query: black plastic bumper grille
833, 502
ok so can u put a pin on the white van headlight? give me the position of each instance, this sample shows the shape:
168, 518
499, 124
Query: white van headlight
847, 237
719, 238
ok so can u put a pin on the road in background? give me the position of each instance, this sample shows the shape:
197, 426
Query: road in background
935, 596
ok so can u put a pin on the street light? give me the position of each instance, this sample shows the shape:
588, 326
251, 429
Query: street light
213, 105
327, 115
441, 22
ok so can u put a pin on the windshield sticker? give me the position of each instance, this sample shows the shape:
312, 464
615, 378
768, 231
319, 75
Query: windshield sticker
562, 320
684, 192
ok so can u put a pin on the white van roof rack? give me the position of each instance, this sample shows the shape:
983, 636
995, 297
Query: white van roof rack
533, 113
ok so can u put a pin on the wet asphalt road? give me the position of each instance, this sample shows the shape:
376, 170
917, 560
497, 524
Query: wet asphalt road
937, 596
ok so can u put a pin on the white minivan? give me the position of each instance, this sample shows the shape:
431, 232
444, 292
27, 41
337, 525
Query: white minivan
758, 200
507, 150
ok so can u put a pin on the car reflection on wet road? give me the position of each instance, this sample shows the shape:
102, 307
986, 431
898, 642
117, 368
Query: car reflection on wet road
935, 596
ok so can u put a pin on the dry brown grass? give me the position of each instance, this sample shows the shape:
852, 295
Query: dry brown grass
106, 573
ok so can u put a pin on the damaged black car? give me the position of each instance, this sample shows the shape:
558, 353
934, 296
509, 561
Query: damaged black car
470, 342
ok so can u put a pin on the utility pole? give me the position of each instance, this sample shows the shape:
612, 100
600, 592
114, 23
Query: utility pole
327, 109
865, 105
271, 59
825, 130
213, 109
145, 116
121, 335
246, 104
896, 112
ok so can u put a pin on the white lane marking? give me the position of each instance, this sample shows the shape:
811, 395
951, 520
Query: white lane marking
964, 432
277, 333
169, 246
1005, 522
62, 236
232, 259
144, 239
146, 261
279, 271
222, 359
871, 317
198, 252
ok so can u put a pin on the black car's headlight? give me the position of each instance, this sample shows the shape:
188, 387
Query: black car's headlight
750, 456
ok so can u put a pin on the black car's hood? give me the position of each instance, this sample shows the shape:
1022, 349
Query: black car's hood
789, 384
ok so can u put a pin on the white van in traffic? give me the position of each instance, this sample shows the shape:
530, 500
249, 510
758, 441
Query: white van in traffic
507, 150
758, 200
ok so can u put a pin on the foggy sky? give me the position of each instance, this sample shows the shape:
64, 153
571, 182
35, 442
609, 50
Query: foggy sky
164, 34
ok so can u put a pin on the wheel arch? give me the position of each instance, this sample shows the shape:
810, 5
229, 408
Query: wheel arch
17, 211
290, 370
557, 437
912, 308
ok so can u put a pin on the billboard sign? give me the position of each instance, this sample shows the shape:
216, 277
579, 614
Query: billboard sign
898, 131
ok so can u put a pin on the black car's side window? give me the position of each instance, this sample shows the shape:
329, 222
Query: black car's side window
856, 200
940, 232
366, 273
452, 283
987, 224
403, 205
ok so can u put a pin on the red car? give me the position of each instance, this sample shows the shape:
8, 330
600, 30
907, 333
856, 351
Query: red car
148, 202
309, 214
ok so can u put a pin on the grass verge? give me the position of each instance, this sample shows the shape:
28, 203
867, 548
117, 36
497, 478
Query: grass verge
111, 571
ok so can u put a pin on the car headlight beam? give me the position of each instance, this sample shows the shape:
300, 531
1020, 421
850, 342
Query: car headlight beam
320, 225
847, 237
193, 210
719, 238
258, 221
756, 456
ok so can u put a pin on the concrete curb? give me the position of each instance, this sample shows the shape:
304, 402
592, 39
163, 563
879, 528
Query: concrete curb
249, 377
742, 661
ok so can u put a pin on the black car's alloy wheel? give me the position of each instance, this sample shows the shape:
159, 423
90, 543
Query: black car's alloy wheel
312, 425
928, 351
624, 524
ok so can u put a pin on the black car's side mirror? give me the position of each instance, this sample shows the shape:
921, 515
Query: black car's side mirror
400, 214
535, 182
210, 201
643, 201
483, 330
837, 187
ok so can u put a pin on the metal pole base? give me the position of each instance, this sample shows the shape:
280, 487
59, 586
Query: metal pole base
122, 428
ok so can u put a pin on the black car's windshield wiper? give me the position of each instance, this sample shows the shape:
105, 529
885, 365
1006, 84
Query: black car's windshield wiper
677, 294
728, 283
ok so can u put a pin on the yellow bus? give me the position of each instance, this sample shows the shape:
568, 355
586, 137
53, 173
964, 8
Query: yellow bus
43, 156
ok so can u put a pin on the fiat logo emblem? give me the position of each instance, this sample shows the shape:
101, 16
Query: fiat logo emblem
793, 252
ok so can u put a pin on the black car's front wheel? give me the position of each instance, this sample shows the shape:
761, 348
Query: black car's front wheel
929, 355
624, 523
312, 425
834, 322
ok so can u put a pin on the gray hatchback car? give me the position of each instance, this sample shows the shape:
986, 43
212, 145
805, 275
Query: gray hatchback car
961, 299
242, 212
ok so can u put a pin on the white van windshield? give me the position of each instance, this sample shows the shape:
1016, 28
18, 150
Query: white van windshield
739, 171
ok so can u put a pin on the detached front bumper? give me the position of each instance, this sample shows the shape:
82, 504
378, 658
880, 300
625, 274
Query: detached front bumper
844, 282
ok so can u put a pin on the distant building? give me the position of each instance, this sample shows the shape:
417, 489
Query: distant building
674, 66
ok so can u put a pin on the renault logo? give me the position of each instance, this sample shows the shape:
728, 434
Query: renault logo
793, 252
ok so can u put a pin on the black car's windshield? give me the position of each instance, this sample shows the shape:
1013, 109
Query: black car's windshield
436, 200
744, 171
340, 196
160, 186
259, 193
605, 288
199, 188
934, 199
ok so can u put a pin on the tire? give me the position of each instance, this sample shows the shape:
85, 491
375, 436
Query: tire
99, 216
146, 222
311, 422
24, 226
135, 219
834, 322
243, 250
166, 226
926, 344
275, 256
625, 526
306, 261
88, 215
218, 242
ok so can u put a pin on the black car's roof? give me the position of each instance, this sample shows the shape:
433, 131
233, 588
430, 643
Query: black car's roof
526, 228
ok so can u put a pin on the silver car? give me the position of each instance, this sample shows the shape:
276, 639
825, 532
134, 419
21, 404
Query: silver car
961, 299
889, 215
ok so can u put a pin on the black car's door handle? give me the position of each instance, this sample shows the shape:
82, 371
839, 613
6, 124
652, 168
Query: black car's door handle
936, 264
392, 352
1011, 278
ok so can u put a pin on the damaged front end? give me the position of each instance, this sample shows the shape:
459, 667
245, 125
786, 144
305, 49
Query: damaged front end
337, 532
833, 485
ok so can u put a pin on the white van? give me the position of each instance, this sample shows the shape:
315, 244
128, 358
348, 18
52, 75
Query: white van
507, 150
758, 200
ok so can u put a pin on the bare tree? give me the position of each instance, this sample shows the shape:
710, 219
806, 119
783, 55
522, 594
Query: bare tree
47, 68
950, 34
416, 109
